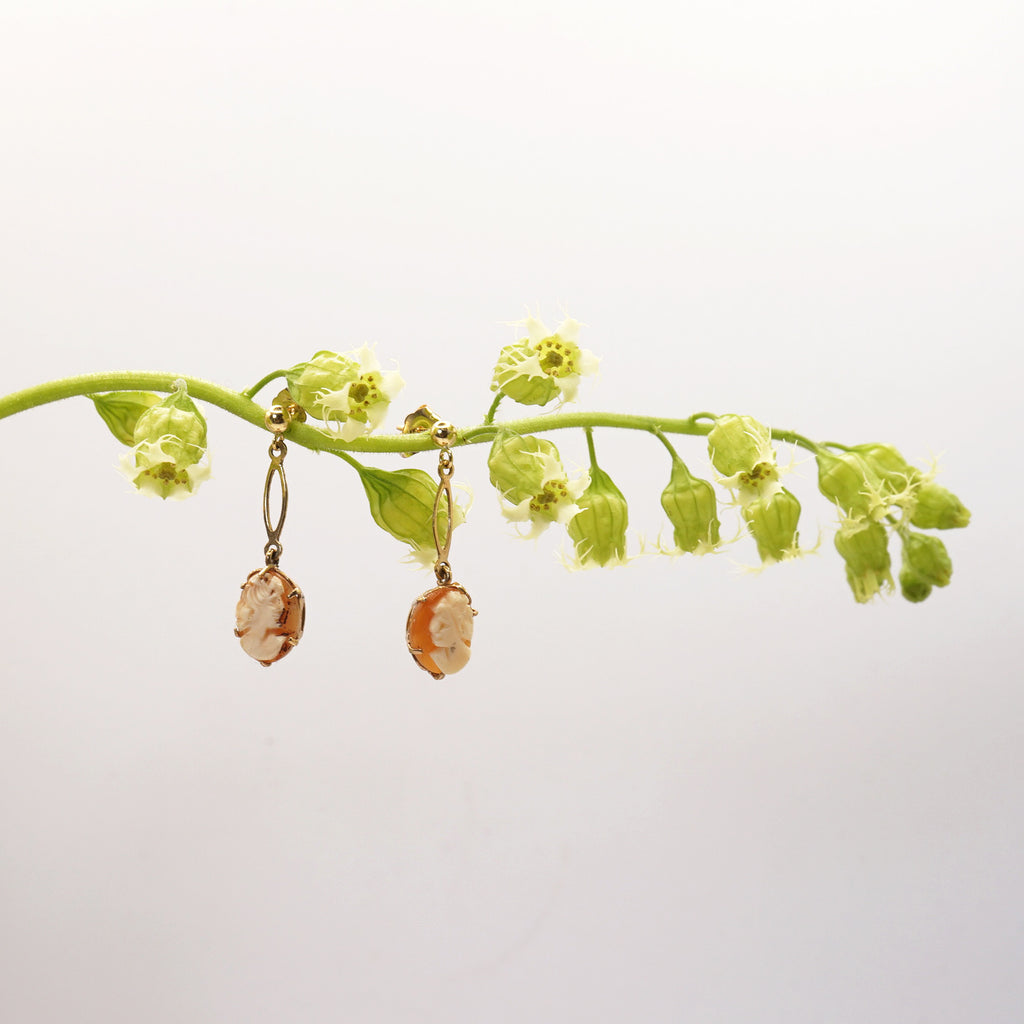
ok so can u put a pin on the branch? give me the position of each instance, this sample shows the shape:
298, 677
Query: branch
241, 405
878, 493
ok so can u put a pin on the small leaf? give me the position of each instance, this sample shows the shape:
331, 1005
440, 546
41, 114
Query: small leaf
402, 504
120, 410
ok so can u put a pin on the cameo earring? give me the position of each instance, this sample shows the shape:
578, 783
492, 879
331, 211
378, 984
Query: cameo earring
271, 611
439, 629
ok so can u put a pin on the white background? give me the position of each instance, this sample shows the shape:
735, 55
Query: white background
668, 792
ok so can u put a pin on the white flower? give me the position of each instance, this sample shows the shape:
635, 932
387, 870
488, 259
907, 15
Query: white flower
757, 484
554, 502
544, 365
359, 406
741, 450
157, 468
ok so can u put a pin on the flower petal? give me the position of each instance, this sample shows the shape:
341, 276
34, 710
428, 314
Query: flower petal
367, 358
535, 329
569, 329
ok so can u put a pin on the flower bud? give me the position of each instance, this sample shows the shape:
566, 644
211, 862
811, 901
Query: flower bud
847, 480
691, 508
938, 508
912, 587
120, 410
325, 373
738, 444
170, 441
864, 548
599, 529
177, 423
516, 465
926, 557
888, 464
402, 503
772, 522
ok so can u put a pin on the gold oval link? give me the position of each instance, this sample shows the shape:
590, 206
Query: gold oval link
273, 548
444, 488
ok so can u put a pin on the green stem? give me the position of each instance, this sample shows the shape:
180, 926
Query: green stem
590, 447
657, 432
92, 383
261, 384
489, 418
354, 463
794, 438
569, 420
204, 391
239, 404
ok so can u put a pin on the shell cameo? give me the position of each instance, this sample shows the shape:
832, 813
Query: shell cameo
270, 615
440, 629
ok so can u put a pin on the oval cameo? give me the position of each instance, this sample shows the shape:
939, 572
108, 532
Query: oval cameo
440, 629
270, 615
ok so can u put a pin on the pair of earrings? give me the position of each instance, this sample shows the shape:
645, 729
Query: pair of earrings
271, 611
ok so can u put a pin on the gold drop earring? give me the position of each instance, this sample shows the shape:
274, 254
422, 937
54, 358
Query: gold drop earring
439, 629
271, 611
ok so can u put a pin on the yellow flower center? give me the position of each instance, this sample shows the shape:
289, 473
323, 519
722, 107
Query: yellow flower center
365, 392
557, 356
761, 472
552, 494
165, 471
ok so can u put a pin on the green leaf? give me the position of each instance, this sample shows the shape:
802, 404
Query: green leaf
120, 410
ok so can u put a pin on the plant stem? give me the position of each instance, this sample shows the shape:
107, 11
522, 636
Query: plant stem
656, 431
92, 383
794, 438
489, 418
261, 384
354, 463
240, 404
568, 420
590, 447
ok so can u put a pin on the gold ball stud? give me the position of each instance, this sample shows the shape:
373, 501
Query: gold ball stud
442, 433
277, 419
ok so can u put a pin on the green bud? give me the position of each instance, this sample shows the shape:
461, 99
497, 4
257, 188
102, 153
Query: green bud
324, 374
912, 587
120, 410
512, 375
846, 479
691, 508
773, 524
169, 442
938, 508
887, 463
402, 503
178, 424
517, 465
599, 529
864, 548
926, 557
739, 444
